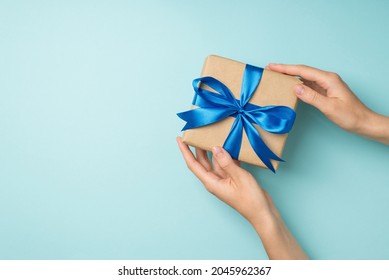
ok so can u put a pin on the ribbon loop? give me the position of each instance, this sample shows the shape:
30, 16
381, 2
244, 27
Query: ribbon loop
218, 105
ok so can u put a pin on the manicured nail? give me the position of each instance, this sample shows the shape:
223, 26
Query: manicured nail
217, 151
299, 89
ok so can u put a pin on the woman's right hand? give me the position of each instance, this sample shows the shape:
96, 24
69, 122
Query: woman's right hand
330, 94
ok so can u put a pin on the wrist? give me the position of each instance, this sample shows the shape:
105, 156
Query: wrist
374, 126
277, 240
364, 120
267, 222
263, 213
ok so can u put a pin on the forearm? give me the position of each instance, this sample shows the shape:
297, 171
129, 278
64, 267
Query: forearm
376, 127
277, 240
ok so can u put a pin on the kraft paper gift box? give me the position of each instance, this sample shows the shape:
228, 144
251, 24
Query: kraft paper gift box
274, 89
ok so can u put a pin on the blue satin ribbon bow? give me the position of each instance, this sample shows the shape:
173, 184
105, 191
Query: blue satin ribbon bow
214, 107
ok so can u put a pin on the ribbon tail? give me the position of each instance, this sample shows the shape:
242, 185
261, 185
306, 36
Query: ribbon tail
260, 148
234, 139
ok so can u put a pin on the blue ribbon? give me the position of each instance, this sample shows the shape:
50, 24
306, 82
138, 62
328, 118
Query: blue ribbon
214, 107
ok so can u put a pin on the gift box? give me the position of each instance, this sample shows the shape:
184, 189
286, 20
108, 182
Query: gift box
245, 109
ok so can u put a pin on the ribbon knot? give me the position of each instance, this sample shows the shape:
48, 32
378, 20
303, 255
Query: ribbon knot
241, 111
218, 105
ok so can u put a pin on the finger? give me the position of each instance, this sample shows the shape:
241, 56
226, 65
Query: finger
202, 157
207, 178
226, 163
306, 72
217, 169
313, 98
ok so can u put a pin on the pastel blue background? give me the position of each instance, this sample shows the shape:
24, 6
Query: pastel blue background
89, 167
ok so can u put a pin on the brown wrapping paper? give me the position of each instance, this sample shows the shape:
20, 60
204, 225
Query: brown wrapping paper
274, 89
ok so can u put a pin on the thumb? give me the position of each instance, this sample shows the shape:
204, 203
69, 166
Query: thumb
312, 97
226, 163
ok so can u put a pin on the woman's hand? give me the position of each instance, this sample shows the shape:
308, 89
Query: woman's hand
229, 182
238, 188
327, 92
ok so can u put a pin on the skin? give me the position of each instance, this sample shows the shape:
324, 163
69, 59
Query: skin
238, 188
327, 92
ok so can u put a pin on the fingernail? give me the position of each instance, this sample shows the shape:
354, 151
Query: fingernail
217, 151
267, 67
299, 89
